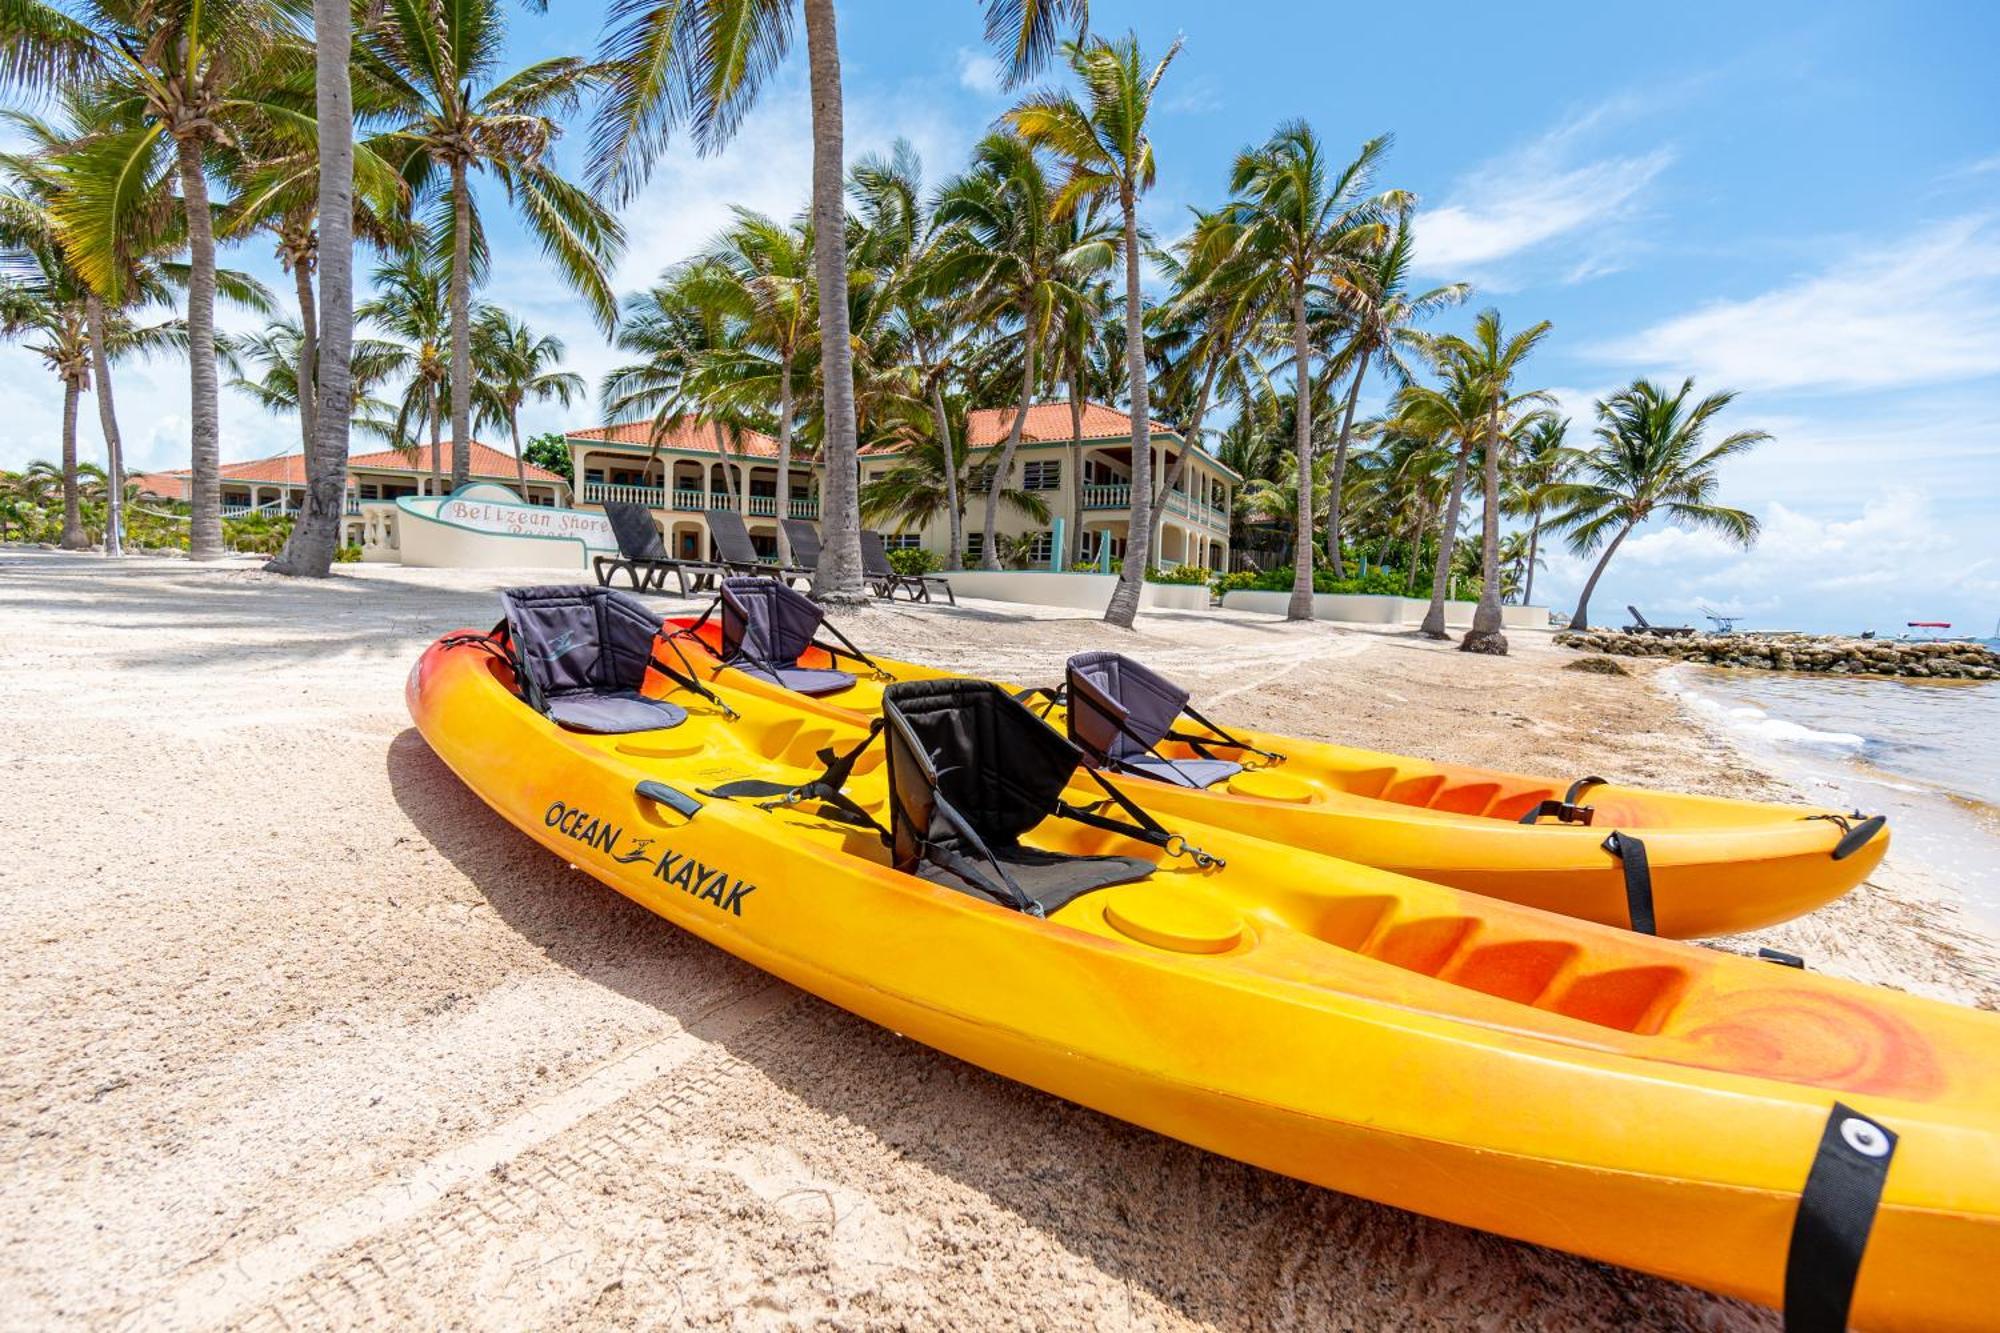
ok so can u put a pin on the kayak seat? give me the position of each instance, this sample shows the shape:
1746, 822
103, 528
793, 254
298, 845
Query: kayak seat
581, 654
767, 626
971, 771
1119, 712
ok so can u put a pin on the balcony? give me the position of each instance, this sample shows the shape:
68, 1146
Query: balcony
597, 492
691, 500
1120, 497
1107, 497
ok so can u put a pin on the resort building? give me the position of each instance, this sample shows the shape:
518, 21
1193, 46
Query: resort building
277, 485
1084, 482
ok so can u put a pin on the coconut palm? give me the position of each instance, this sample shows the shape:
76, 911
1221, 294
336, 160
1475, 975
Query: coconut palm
410, 306
515, 365
264, 366
1105, 146
672, 65
439, 59
50, 321
1370, 292
179, 78
1008, 250
1542, 461
921, 486
1302, 221
1652, 459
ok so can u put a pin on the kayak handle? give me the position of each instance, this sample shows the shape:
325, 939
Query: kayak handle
672, 797
1857, 837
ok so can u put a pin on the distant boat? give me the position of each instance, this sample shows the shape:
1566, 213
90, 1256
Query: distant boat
1929, 624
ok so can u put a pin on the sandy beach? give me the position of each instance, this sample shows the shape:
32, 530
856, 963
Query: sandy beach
301, 1035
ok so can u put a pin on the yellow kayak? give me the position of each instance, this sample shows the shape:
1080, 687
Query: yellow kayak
1754, 1129
1669, 863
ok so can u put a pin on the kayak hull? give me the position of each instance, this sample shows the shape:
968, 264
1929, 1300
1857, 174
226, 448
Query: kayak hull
1719, 866
1670, 1134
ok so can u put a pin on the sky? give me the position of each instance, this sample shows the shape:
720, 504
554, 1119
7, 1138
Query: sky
1796, 201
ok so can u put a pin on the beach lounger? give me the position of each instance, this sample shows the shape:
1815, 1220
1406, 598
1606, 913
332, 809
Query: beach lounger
803, 538
643, 556
884, 579
1641, 625
733, 545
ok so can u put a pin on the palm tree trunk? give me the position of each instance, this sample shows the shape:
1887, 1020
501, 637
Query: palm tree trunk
784, 455
1433, 626
1124, 605
205, 479
1075, 467
1004, 469
1581, 620
954, 558
520, 459
1301, 605
1422, 521
1340, 471
725, 454
308, 360
437, 446
107, 421
1486, 636
838, 578
1534, 548
461, 329
74, 538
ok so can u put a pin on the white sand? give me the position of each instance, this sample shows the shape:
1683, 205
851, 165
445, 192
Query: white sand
298, 1033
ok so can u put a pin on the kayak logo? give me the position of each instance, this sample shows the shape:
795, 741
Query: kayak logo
710, 884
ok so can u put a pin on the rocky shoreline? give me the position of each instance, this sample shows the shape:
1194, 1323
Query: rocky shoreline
1828, 654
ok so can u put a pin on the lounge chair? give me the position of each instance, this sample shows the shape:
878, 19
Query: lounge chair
580, 657
767, 628
735, 549
884, 579
643, 556
1641, 625
803, 538
1121, 710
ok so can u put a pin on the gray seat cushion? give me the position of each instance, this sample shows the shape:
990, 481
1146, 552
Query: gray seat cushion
613, 712
801, 680
1183, 772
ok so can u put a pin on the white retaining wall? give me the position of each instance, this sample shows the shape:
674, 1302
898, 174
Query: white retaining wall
1083, 592
1369, 609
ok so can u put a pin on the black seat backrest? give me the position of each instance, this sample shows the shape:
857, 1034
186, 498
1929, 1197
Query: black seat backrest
994, 763
1637, 618
569, 640
731, 537
804, 540
765, 623
638, 537
875, 556
1119, 708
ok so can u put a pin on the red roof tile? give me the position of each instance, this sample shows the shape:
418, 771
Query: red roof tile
1050, 421
290, 469
695, 437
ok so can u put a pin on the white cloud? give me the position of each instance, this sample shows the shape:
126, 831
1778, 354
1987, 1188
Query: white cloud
1923, 309
979, 72
1547, 190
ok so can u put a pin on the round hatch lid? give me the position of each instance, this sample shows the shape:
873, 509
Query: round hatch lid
1173, 919
1269, 785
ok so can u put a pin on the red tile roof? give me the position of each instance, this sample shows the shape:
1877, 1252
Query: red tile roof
1050, 421
694, 437
290, 469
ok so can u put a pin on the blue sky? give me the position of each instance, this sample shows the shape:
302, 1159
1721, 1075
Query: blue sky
1800, 201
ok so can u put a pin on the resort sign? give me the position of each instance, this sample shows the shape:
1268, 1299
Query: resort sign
471, 509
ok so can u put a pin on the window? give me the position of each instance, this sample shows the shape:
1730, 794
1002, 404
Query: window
1041, 548
980, 479
593, 474
1045, 475
904, 541
975, 545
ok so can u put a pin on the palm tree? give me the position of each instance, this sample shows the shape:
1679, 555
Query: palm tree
1302, 226
1651, 459
1542, 462
1106, 149
671, 64
459, 117
274, 352
770, 263
54, 319
1370, 292
180, 78
1490, 360
515, 364
922, 484
410, 306
1008, 250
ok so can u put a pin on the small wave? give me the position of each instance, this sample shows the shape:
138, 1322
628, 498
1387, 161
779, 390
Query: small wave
1754, 721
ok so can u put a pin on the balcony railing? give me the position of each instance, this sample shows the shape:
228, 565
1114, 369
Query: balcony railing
597, 492
1107, 497
692, 500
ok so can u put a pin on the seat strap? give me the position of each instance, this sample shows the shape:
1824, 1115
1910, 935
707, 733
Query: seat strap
1631, 854
1837, 1209
848, 650
1563, 810
826, 788
1143, 826
1578, 787
498, 644
685, 677
1220, 735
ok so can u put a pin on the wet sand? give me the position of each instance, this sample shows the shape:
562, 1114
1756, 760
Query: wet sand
300, 1034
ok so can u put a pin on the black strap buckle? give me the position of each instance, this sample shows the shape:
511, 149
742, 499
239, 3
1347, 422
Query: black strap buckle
1563, 810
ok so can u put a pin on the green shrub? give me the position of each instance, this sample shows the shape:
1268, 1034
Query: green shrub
912, 560
1179, 574
1376, 582
347, 553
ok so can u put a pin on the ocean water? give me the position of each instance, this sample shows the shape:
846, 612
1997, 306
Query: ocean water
1926, 753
